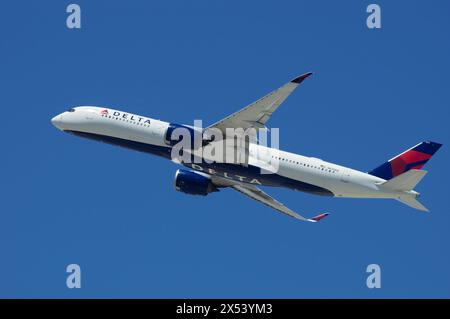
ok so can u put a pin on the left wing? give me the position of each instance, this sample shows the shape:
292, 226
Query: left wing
257, 194
258, 113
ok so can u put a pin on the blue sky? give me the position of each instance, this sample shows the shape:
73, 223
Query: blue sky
115, 213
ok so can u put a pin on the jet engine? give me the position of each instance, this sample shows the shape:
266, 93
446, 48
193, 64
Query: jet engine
193, 183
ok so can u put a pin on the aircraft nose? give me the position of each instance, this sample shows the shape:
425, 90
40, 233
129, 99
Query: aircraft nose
57, 121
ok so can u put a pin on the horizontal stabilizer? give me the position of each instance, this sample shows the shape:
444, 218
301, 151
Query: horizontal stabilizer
412, 202
406, 181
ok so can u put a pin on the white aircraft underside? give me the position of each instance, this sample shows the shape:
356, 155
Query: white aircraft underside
294, 171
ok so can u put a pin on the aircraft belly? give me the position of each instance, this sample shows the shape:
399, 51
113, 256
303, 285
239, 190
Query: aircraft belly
245, 174
252, 175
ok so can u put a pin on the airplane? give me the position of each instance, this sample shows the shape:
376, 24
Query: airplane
394, 179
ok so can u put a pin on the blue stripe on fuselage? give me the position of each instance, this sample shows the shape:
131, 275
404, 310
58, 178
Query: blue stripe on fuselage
248, 174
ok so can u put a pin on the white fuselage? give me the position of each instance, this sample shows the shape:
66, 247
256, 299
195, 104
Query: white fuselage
119, 127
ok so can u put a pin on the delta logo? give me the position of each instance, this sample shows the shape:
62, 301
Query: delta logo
125, 116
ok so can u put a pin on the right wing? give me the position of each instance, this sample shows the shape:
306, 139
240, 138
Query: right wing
258, 113
258, 195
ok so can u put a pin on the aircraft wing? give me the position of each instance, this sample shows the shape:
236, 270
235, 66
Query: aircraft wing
260, 196
258, 113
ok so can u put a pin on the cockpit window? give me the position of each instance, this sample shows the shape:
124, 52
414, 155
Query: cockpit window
71, 110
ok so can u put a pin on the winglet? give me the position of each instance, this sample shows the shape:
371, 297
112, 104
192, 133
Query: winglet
318, 217
300, 78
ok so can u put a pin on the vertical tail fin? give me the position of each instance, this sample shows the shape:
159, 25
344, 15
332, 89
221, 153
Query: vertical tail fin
413, 158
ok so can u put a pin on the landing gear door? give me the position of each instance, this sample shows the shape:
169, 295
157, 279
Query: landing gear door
345, 176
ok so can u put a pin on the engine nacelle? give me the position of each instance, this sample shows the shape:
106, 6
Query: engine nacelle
193, 183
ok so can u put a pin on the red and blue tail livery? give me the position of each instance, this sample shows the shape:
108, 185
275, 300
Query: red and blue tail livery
414, 158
